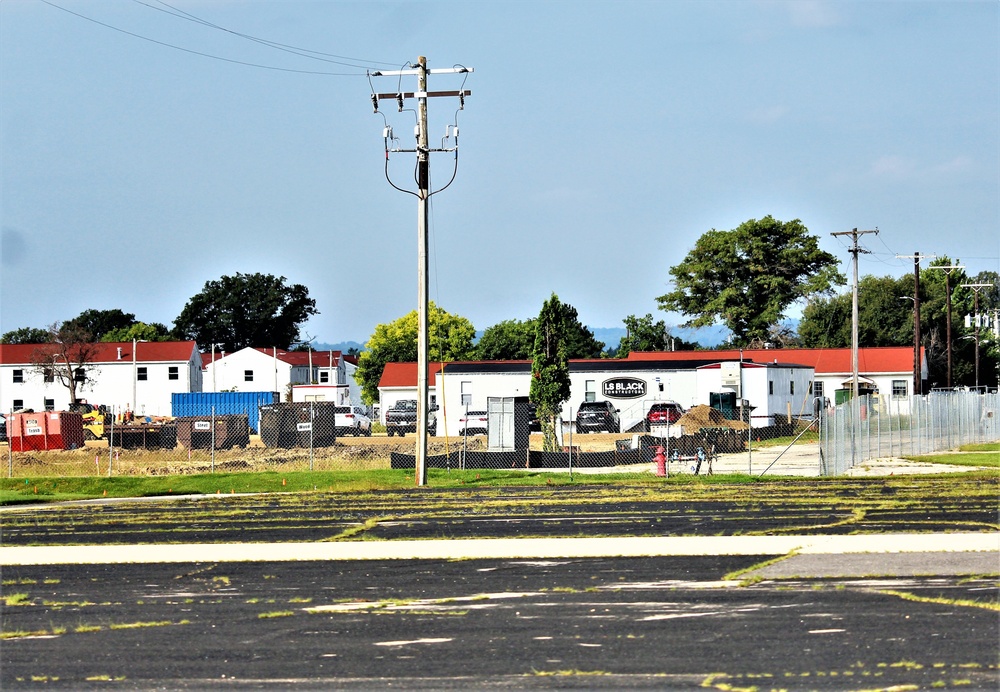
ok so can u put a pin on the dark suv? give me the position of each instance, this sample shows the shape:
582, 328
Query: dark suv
595, 416
663, 413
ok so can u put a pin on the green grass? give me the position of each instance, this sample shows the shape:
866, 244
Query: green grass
989, 459
51, 489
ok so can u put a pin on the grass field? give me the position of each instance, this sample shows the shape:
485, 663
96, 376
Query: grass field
47, 488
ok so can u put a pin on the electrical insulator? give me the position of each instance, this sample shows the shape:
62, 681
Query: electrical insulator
416, 131
386, 133
455, 132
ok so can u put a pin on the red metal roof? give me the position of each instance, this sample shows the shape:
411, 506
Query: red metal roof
825, 361
145, 352
405, 374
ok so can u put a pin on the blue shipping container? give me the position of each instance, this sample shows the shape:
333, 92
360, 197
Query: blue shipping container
225, 403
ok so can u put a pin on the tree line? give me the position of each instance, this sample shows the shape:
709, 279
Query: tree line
744, 278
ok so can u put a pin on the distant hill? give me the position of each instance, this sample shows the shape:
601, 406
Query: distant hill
343, 346
708, 337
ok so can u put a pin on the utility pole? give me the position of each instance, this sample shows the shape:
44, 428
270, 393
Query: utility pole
917, 379
423, 193
975, 317
855, 250
948, 269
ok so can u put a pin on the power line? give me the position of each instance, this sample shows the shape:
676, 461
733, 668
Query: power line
200, 53
295, 50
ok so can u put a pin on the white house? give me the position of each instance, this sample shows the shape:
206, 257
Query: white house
271, 370
140, 376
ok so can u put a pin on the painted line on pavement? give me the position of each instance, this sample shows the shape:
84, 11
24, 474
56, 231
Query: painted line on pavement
500, 548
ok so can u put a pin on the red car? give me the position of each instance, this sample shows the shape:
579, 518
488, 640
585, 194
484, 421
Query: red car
663, 413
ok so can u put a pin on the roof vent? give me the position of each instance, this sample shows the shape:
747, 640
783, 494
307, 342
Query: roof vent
119, 353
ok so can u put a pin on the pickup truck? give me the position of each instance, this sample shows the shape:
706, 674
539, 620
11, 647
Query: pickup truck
402, 418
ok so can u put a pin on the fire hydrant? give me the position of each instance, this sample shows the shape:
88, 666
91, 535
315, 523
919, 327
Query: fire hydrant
661, 462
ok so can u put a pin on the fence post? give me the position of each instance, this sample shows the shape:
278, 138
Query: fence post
111, 441
570, 445
312, 423
213, 438
10, 450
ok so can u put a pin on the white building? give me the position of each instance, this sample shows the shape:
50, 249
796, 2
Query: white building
886, 371
272, 370
139, 376
633, 386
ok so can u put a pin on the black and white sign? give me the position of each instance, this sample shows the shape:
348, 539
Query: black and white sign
624, 388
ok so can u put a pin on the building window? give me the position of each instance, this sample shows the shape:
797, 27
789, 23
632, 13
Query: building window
466, 393
770, 387
248, 375
48, 375
80, 375
899, 389
18, 404
791, 387
141, 374
818, 389
590, 391
173, 373
324, 377
50, 404
18, 376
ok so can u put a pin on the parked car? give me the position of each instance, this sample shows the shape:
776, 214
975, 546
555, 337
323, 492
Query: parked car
663, 413
352, 420
595, 416
473, 423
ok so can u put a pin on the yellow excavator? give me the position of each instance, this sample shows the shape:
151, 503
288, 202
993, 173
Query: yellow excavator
95, 419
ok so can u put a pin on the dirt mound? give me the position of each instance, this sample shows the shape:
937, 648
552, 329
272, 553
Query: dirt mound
699, 417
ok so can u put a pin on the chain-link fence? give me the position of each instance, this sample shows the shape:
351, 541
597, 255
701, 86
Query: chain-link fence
326, 437
874, 427
323, 436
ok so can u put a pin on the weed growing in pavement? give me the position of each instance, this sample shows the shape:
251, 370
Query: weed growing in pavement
275, 614
734, 576
968, 603
16, 599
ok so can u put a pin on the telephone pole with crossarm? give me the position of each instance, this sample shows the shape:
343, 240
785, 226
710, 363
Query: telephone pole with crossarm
423, 194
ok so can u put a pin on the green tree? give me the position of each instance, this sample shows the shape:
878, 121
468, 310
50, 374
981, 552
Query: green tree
550, 385
580, 341
246, 310
140, 331
643, 334
449, 339
97, 323
26, 335
748, 276
885, 316
508, 340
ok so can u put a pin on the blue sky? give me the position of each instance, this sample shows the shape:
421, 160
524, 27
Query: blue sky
601, 140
